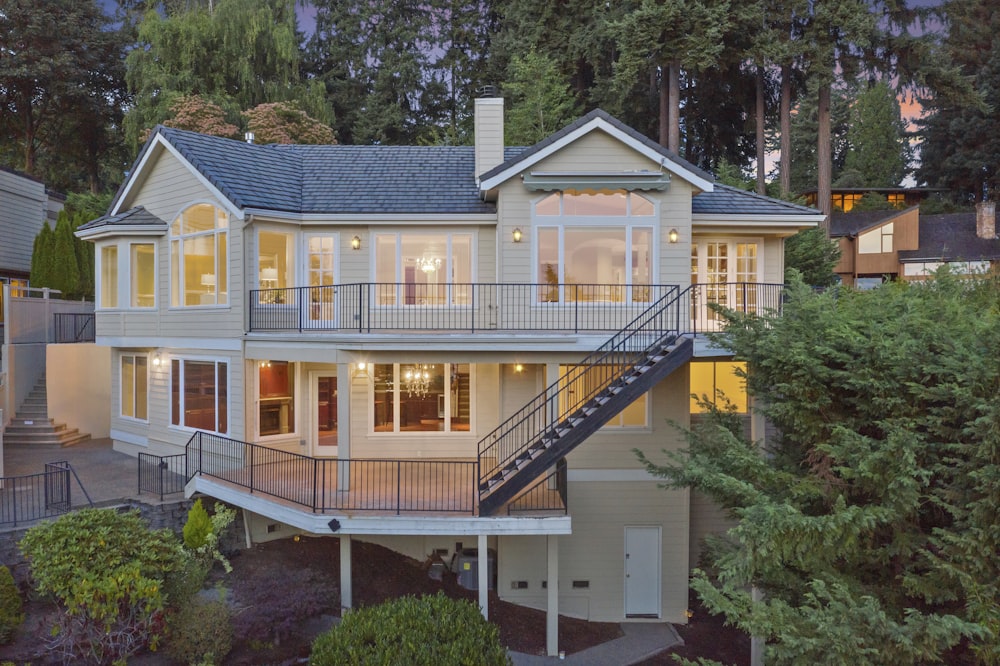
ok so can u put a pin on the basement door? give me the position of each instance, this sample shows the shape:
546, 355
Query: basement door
642, 572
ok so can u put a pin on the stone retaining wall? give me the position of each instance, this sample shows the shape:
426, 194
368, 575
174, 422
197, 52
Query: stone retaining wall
169, 515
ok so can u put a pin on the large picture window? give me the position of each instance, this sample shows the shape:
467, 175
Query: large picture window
275, 261
594, 247
198, 258
199, 395
276, 385
134, 387
422, 397
423, 269
720, 384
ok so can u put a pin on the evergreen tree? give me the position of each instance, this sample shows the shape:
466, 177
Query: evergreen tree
60, 89
65, 274
539, 100
804, 173
869, 522
961, 146
811, 257
42, 257
877, 145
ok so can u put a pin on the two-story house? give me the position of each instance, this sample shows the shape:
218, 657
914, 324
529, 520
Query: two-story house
427, 346
904, 244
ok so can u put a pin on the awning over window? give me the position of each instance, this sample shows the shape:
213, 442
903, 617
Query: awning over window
549, 181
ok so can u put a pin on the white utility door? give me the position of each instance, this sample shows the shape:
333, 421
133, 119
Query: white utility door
642, 571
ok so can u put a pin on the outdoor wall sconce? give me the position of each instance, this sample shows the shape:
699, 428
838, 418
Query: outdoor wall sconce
356, 243
361, 369
157, 361
672, 235
518, 368
517, 234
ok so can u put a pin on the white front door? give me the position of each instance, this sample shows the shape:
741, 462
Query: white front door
642, 571
323, 426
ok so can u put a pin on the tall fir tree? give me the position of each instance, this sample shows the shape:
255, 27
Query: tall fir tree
878, 149
539, 100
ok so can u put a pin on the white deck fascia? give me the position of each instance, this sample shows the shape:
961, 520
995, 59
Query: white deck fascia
359, 524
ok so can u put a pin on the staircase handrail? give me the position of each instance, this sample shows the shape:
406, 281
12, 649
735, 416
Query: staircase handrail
645, 323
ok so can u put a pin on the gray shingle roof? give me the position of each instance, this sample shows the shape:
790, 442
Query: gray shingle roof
336, 179
951, 237
396, 179
133, 217
726, 200
851, 224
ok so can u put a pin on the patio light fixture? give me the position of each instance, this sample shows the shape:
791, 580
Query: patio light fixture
517, 234
672, 236
356, 243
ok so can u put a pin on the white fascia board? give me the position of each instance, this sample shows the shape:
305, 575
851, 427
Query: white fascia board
707, 220
233, 210
261, 215
112, 230
598, 124
168, 345
356, 523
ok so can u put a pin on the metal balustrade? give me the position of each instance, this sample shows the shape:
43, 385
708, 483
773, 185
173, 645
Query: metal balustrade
328, 484
74, 327
30, 497
162, 475
467, 307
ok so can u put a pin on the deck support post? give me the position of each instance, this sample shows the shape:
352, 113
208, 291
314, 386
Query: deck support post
552, 604
346, 594
483, 571
343, 425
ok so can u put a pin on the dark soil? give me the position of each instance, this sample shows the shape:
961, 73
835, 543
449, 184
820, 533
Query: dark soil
286, 592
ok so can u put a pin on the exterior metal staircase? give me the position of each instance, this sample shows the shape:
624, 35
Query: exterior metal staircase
583, 399
32, 426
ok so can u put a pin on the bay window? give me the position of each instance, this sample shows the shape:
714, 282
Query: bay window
109, 276
127, 275
421, 397
199, 395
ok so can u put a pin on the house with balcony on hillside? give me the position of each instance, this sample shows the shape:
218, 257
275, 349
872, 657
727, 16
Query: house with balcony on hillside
438, 348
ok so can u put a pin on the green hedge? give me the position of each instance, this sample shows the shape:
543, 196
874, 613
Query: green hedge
429, 631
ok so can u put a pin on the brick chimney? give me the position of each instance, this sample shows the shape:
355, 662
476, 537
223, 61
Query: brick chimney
488, 131
986, 219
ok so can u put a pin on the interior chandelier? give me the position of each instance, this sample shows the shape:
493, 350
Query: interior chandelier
428, 264
417, 380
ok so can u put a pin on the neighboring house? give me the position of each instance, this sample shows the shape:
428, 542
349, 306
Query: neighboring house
25, 205
436, 347
880, 245
843, 199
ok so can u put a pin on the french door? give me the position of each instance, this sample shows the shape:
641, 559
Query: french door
724, 272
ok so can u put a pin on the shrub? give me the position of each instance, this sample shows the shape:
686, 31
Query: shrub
429, 631
11, 616
106, 570
198, 527
201, 632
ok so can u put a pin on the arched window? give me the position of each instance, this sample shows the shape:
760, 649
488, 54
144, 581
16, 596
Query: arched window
594, 246
198, 259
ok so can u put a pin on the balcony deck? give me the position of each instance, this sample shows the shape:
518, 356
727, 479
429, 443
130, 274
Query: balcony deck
373, 487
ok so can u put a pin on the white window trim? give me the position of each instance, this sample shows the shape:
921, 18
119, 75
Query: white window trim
168, 361
99, 275
447, 410
303, 245
561, 222
123, 268
295, 403
156, 280
218, 269
398, 233
121, 367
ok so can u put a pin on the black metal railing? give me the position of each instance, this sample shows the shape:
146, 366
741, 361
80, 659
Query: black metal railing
326, 484
74, 327
547, 495
675, 314
472, 307
31, 497
162, 475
